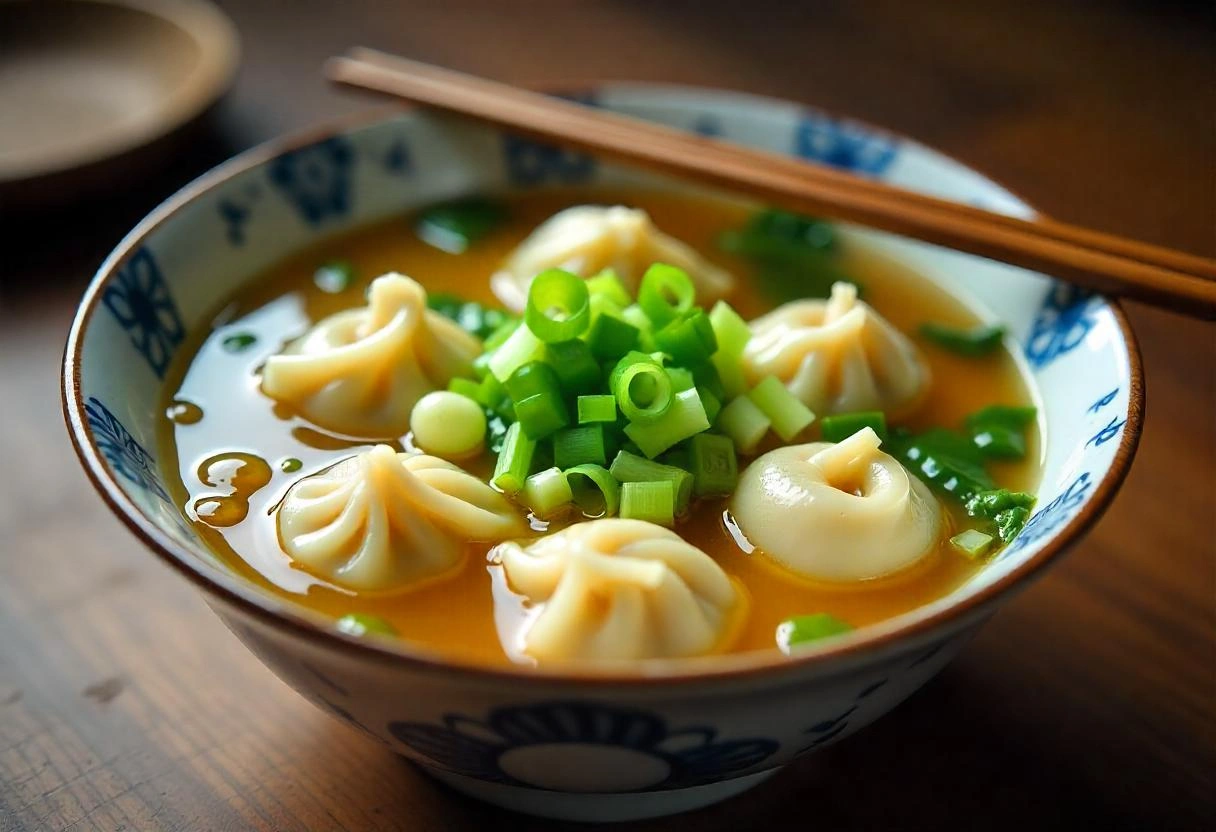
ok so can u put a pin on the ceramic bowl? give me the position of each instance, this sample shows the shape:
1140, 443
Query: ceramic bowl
590, 747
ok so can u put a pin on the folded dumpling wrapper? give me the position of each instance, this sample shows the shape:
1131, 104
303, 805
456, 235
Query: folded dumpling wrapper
587, 239
837, 356
361, 371
383, 521
615, 589
837, 512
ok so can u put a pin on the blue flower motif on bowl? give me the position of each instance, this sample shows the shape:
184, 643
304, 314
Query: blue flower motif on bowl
843, 145
129, 459
1065, 318
140, 301
1053, 515
316, 179
397, 159
570, 745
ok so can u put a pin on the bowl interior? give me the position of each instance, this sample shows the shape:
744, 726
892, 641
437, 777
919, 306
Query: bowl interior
170, 273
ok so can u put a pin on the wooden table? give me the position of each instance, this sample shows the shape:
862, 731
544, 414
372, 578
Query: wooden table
1087, 704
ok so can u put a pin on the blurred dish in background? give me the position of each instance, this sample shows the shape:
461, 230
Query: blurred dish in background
87, 83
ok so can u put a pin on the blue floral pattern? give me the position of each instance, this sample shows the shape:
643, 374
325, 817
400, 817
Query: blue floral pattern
235, 211
843, 145
1067, 315
1052, 516
532, 163
316, 179
688, 757
822, 733
397, 159
129, 459
140, 301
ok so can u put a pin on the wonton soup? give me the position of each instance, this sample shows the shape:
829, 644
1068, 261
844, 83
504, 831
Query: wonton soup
569, 426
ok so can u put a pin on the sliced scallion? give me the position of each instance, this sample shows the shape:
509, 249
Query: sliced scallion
362, 624
576, 368
665, 293
608, 286
652, 501
788, 415
715, 468
689, 339
541, 414
594, 490
578, 445
804, 629
520, 347
610, 337
597, 408
514, 460
642, 389
629, 467
546, 493
559, 306
744, 423
972, 543
684, 418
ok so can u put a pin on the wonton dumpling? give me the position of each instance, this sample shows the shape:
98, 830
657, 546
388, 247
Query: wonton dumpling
361, 371
619, 589
587, 239
837, 356
383, 520
842, 512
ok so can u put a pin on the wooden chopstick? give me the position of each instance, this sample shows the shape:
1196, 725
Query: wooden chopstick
1091, 259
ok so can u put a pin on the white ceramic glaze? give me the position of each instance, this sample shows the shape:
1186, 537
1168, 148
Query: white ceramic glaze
672, 737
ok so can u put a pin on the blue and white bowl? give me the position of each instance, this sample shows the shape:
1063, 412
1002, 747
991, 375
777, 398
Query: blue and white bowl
591, 747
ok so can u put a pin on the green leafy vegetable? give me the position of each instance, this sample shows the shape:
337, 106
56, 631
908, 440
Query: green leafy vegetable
946, 460
454, 226
794, 254
472, 317
973, 343
1008, 510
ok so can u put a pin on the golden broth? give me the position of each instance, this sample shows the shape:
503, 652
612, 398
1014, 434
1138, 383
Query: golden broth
217, 374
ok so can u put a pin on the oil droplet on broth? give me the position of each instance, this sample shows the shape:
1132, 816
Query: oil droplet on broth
184, 413
238, 476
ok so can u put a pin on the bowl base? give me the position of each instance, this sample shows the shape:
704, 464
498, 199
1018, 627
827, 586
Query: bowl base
598, 808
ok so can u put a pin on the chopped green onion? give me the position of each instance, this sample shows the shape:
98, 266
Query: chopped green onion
530, 379
501, 333
706, 376
496, 431
480, 321
454, 226
788, 415
602, 498
598, 408
803, 629
362, 624
793, 254
610, 337
577, 370
629, 467
652, 501
731, 331
744, 423
775, 223
973, 343
843, 425
1002, 414
520, 347
541, 414
711, 403
634, 314
467, 388
608, 286
546, 493
559, 306
577, 445
665, 293
681, 378
972, 543
514, 460
642, 389
334, 277
689, 339
684, 418
715, 469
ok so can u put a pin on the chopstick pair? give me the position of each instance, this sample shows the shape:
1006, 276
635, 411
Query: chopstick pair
1106, 263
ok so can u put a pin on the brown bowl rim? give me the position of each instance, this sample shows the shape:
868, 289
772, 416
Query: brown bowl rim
282, 615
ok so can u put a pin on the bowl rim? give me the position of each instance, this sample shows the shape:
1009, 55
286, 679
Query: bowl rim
280, 614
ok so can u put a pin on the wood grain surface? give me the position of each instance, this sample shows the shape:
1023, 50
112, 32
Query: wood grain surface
1089, 703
